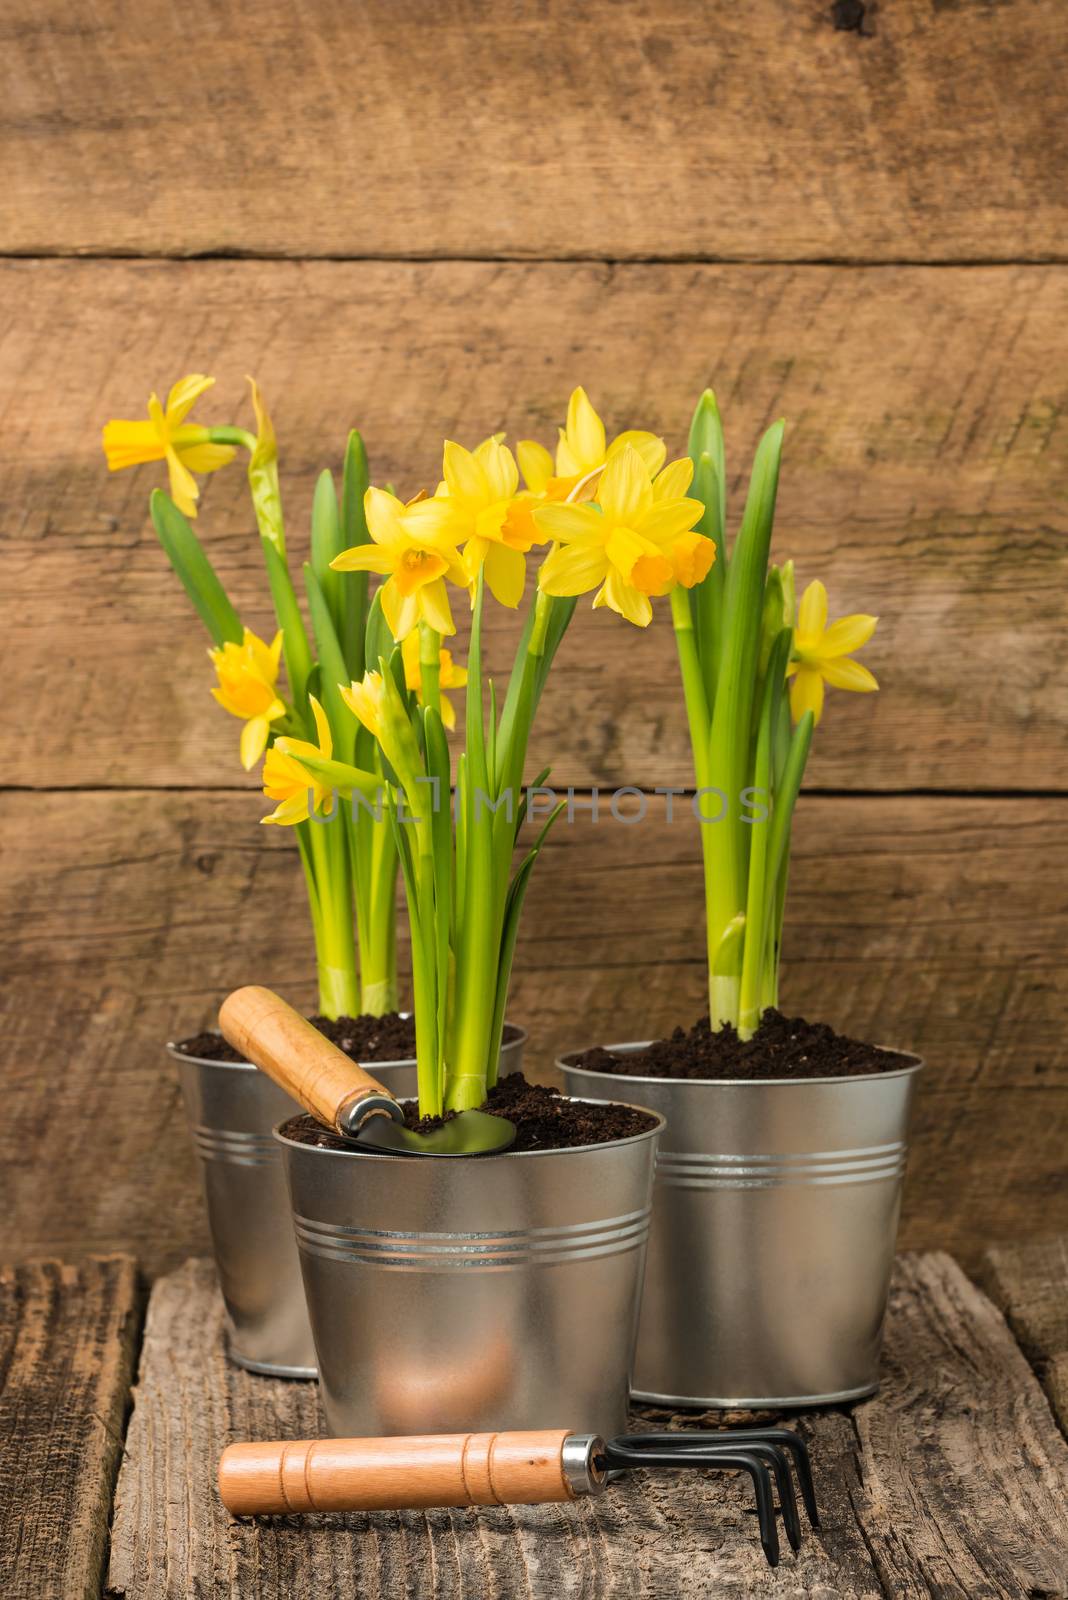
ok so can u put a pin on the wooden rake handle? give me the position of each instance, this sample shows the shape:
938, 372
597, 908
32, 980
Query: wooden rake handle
323, 1079
454, 1469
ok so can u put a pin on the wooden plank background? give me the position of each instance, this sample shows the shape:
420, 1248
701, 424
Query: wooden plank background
858, 228
614, 129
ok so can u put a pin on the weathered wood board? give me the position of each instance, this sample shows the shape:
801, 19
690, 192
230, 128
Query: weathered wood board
397, 127
68, 1344
949, 1483
1029, 1282
925, 479
933, 924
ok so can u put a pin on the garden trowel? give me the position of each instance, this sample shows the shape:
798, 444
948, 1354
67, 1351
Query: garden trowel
326, 1082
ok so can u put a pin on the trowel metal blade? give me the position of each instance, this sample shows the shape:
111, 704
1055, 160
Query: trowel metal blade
472, 1133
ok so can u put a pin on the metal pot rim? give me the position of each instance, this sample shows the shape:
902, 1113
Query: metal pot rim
519, 1038
660, 1123
564, 1064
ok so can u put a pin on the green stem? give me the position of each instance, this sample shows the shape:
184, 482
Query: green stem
510, 755
774, 952
266, 503
430, 665
706, 599
756, 930
335, 949
373, 853
354, 531
420, 909
760, 888
235, 436
693, 688
378, 943
428, 1044
295, 645
476, 958
542, 612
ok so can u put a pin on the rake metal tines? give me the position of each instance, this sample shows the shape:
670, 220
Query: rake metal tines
764, 1453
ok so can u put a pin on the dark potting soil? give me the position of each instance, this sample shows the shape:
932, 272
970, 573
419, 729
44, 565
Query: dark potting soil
782, 1047
544, 1119
388, 1038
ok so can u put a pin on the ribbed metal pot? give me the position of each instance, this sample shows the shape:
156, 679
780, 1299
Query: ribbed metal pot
774, 1225
232, 1109
473, 1294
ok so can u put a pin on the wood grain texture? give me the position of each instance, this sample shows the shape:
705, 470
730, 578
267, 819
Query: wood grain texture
68, 1338
401, 128
934, 925
925, 479
1029, 1283
949, 1483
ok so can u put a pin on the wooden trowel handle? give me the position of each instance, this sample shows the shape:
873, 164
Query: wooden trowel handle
302, 1061
455, 1469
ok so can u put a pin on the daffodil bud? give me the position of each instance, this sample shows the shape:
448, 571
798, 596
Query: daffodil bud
379, 705
396, 734
263, 476
779, 609
706, 429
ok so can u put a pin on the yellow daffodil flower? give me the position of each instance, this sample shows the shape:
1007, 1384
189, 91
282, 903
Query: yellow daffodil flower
364, 699
286, 781
640, 543
582, 449
247, 674
450, 676
477, 506
379, 706
166, 436
415, 553
821, 653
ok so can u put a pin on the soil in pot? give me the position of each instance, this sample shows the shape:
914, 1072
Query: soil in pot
782, 1047
365, 1039
544, 1119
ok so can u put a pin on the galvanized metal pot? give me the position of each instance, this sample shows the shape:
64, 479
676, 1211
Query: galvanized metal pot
774, 1224
232, 1108
473, 1294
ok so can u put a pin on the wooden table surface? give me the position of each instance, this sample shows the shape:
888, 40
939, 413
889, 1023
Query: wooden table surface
951, 1482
